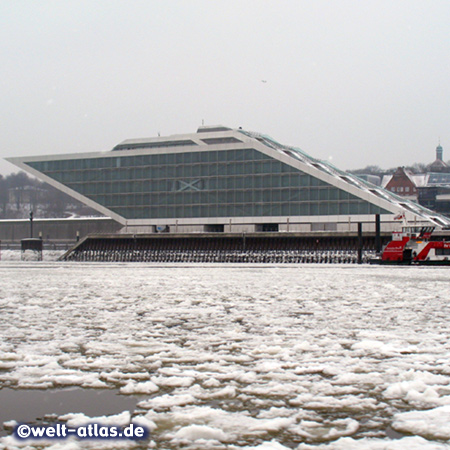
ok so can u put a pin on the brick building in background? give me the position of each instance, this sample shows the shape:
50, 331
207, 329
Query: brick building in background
430, 189
402, 183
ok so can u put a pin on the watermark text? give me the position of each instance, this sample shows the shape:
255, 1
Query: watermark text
88, 431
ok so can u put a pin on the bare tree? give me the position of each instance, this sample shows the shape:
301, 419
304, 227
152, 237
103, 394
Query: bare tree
44, 199
368, 170
3, 196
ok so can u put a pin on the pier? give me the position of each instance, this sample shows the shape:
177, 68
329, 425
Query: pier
228, 248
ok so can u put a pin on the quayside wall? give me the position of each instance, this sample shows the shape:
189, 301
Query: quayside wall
325, 247
54, 232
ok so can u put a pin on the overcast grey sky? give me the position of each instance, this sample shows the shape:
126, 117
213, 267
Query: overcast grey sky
357, 82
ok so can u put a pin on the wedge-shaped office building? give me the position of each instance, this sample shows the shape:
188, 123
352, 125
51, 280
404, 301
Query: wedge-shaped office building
221, 179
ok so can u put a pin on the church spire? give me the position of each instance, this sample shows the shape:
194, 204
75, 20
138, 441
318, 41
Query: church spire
439, 151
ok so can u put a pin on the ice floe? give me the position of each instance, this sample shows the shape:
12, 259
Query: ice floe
432, 424
236, 357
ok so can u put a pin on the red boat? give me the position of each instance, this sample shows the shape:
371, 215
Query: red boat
412, 245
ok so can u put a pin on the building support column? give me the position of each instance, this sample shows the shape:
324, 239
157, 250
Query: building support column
360, 243
377, 233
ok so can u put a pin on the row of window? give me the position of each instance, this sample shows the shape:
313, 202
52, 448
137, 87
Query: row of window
148, 160
401, 189
221, 196
199, 188
297, 181
439, 178
173, 172
247, 210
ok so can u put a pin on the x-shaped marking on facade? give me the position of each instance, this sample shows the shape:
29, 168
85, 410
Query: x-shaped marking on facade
189, 185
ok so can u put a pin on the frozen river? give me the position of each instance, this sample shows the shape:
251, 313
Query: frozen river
329, 357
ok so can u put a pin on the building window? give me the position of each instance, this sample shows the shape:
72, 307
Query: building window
406, 189
205, 184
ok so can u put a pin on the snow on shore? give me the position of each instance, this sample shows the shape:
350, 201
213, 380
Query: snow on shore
16, 255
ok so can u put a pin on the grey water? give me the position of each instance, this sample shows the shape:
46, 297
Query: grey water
37, 405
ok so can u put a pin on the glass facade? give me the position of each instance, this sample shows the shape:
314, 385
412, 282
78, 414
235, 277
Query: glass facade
221, 183
439, 178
